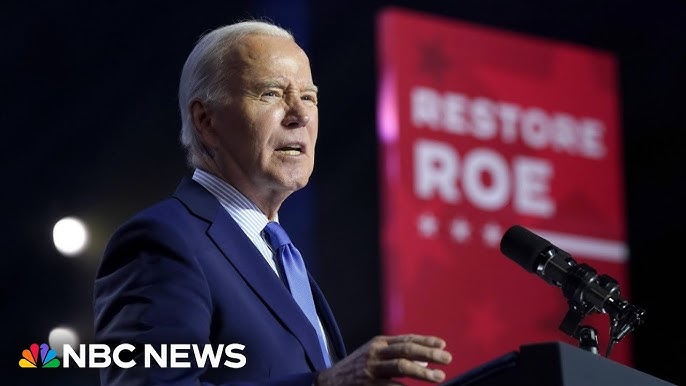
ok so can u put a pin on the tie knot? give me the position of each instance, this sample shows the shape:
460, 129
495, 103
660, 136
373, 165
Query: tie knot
275, 235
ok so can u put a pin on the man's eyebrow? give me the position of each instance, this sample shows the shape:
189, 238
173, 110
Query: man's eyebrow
271, 83
279, 83
313, 88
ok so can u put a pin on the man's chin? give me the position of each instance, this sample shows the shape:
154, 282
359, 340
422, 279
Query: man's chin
296, 178
296, 185
291, 183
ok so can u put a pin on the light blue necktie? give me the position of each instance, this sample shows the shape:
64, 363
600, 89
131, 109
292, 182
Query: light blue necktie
296, 277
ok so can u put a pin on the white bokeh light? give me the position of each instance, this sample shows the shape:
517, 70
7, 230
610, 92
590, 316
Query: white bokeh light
59, 336
70, 236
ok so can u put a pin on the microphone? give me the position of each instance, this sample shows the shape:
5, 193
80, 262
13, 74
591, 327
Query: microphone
585, 290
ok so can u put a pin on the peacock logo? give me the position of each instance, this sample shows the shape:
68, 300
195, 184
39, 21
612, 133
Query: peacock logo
30, 357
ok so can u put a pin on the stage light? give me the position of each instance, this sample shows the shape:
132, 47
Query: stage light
59, 336
70, 236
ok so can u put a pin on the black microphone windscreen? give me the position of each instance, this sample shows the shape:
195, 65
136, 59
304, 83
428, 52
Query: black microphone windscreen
523, 246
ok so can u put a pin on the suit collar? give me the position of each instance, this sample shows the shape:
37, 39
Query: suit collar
197, 199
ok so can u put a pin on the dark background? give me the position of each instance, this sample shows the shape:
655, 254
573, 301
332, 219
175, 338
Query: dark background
90, 123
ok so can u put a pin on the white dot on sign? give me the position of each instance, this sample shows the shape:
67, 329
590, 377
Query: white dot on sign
70, 236
59, 336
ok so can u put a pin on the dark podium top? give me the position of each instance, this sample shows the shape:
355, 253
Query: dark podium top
554, 364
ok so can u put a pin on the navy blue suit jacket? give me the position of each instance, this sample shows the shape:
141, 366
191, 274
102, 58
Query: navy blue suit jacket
183, 271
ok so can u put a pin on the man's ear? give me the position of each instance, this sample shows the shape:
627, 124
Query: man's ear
201, 115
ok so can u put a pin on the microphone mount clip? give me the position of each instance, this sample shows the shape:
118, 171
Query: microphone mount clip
589, 293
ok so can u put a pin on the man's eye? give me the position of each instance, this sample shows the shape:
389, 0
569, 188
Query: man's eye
310, 98
273, 94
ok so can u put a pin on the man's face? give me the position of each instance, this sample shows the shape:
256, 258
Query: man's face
266, 130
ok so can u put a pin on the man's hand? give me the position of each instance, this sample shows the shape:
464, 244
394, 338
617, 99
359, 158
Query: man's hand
384, 358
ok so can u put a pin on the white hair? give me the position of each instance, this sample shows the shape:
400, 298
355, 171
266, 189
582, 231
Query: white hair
204, 74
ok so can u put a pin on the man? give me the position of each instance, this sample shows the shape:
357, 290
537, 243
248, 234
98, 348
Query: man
198, 268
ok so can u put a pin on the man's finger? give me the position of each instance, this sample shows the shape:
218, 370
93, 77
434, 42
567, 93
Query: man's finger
426, 340
405, 368
415, 352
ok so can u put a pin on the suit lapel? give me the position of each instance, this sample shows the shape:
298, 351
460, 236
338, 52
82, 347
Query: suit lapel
247, 260
328, 319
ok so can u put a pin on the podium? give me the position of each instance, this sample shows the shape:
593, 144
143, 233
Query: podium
554, 364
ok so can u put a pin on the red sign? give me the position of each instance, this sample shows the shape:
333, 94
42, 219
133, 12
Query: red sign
482, 129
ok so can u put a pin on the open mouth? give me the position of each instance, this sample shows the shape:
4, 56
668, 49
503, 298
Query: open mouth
291, 149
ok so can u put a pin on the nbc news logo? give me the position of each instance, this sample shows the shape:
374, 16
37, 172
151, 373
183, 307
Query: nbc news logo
39, 356
164, 355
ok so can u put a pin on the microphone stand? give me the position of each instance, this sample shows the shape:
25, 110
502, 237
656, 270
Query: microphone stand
586, 335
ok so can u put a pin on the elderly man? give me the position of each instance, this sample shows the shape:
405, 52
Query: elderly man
211, 265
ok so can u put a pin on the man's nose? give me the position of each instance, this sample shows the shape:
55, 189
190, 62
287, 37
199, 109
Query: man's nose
297, 113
